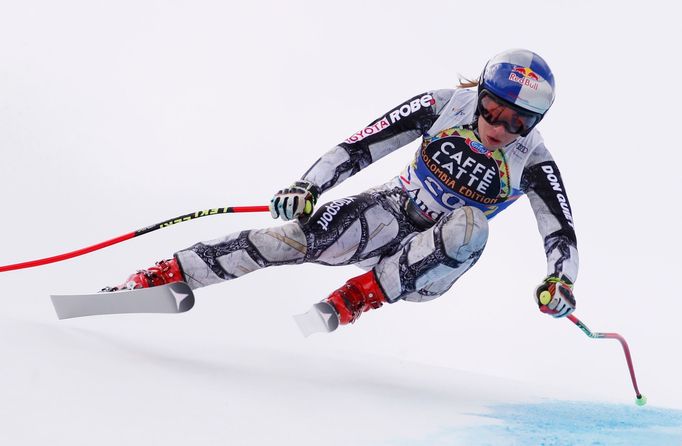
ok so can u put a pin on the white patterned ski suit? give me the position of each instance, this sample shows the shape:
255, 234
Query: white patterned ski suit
422, 230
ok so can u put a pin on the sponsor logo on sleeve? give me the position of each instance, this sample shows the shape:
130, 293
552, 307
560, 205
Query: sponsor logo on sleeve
561, 198
368, 131
392, 117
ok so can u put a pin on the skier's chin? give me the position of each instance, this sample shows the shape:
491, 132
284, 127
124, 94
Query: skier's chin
492, 143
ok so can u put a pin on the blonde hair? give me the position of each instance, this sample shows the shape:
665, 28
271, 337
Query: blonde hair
465, 82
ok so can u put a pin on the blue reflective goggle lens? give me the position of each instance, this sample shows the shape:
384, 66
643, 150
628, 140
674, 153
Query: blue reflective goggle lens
497, 113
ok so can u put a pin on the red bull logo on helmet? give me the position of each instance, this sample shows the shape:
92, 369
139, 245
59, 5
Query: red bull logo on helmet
525, 76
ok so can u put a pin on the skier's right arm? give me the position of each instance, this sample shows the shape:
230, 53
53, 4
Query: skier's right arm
400, 126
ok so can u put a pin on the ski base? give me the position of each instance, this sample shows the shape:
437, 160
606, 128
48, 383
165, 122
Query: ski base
321, 318
174, 297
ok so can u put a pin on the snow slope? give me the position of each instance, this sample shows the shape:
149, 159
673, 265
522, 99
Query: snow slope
83, 383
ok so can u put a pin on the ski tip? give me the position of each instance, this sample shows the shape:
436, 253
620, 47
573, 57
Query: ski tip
184, 297
175, 297
56, 303
321, 318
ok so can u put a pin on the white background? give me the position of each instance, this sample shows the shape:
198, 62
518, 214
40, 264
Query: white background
117, 115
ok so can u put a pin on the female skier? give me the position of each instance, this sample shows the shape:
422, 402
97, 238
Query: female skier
418, 233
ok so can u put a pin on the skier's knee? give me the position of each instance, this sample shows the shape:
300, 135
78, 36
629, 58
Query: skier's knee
281, 244
464, 233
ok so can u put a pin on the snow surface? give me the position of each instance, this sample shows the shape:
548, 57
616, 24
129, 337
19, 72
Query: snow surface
139, 381
117, 115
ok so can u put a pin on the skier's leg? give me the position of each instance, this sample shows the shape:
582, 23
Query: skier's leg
423, 269
242, 252
430, 263
225, 258
341, 232
358, 228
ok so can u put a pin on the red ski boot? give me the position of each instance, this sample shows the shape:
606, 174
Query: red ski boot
163, 272
359, 294
343, 306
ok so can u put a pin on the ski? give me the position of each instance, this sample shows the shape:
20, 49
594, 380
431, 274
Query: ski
174, 297
321, 318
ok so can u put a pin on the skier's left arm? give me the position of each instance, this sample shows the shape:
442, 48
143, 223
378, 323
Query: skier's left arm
546, 192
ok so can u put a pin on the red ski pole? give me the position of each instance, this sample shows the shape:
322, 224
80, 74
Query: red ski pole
139, 232
641, 399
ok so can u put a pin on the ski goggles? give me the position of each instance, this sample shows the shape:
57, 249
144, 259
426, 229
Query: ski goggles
495, 111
